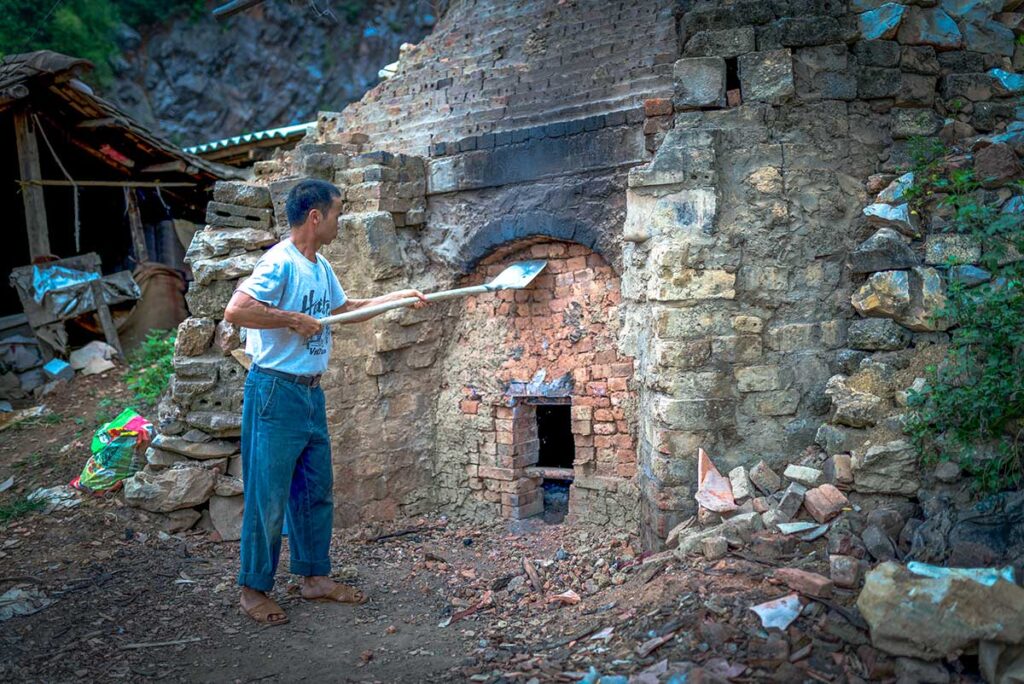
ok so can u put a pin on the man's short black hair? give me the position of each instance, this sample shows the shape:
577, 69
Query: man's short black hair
306, 196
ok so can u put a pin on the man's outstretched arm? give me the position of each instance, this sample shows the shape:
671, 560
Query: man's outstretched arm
246, 312
356, 304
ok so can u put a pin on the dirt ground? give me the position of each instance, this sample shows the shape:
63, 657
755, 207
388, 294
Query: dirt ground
448, 601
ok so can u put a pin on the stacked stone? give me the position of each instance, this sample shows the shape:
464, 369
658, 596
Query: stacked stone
194, 463
907, 264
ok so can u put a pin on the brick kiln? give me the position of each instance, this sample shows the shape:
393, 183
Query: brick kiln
696, 175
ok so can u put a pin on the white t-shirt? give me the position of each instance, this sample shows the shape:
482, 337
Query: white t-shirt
287, 280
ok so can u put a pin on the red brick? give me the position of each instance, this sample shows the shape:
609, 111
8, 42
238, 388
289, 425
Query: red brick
496, 473
625, 455
824, 502
625, 469
604, 415
620, 370
469, 406
808, 583
604, 441
617, 384
576, 263
658, 106
598, 389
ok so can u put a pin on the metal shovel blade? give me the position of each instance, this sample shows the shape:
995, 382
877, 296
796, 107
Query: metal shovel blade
518, 275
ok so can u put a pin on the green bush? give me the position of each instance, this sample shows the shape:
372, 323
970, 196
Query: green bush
972, 406
151, 365
81, 28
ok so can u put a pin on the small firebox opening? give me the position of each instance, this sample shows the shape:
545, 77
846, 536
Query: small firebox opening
554, 430
556, 453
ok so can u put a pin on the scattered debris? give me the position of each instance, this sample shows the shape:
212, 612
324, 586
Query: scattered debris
15, 602
779, 613
55, 498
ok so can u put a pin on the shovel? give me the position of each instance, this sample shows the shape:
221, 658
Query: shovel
515, 277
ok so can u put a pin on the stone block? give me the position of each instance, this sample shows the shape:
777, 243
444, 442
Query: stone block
777, 403
824, 502
767, 76
919, 60
946, 249
988, 37
916, 91
237, 216
899, 217
212, 448
881, 23
226, 268
686, 157
169, 490
742, 488
683, 355
886, 250
791, 501
877, 334
693, 285
227, 337
804, 582
158, 459
724, 43
226, 515
715, 547
851, 407
216, 423
878, 82
210, 300
279, 190
691, 415
765, 479
997, 165
243, 194
972, 87
844, 571
800, 31
890, 468
699, 82
194, 335
928, 298
908, 123
690, 322
763, 378
885, 294
213, 242
808, 477
374, 233
878, 53
929, 26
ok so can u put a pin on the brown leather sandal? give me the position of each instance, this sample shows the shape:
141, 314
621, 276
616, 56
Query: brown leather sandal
264, 612
342, 593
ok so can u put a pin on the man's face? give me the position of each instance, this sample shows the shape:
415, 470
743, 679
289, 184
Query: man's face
327, 227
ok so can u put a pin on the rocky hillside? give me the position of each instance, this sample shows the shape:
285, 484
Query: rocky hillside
199, 79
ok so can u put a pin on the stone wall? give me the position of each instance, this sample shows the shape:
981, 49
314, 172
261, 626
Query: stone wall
722, 196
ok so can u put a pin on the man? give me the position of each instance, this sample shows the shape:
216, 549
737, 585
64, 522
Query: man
286, 454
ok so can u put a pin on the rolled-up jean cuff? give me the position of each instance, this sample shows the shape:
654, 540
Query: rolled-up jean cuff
256, 581
321, 568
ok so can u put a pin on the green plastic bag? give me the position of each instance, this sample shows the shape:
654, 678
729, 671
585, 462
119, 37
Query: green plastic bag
114, 447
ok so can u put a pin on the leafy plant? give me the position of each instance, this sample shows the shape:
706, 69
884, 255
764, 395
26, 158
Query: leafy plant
971, 409
151, 365
19, 508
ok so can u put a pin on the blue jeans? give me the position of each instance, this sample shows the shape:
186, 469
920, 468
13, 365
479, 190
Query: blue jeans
286, 462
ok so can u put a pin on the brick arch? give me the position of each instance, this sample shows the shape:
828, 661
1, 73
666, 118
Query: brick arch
527, 226
553, 342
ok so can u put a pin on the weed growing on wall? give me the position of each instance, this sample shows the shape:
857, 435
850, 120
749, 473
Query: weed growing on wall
972, 407
151, 365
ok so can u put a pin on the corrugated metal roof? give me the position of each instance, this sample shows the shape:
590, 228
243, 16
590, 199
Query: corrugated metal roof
283, 132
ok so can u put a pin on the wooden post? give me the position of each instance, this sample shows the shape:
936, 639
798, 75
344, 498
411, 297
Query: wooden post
106, 320
135, 223
35, 206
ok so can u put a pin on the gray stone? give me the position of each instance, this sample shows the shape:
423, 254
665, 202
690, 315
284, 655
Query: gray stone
178, 521
766, 76
877, 53
158, 459
791, 501
839, 470
928, 298
933, 617
727, 43
237, 216
835, 439
244, 194
844, 571
209, 301
973, 87
765, 479
916, 90
227, 337
988, 116
944, 249
821, 73
886, 250
997, 165
916, 671
228, 486
226, 516
878, 82
889, 519
890, 468
700, 82
971, 9
800, 31
899, 217
877, 334
216, 423
227, 268
808, 477
920, 60
885, 294
235, 466
947, 472
933, 27
881, 23
989, 37
715, 547
852, 407
375, 236
214, 242
169, 490
194, 335
197, 450
878, 543
740, 482
907, 123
